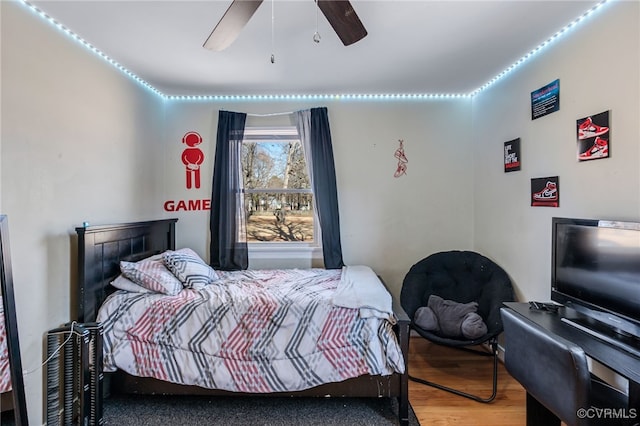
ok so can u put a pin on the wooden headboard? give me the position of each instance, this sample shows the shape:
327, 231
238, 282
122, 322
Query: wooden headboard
100, 250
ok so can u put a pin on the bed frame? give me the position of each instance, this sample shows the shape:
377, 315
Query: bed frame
100, 249
6, 401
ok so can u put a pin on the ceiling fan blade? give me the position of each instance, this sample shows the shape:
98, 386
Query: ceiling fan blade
231, 23
343, 19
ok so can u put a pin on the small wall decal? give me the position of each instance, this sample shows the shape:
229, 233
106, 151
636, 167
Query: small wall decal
402, 160
512, 155
545, 192
593, 137
192, 158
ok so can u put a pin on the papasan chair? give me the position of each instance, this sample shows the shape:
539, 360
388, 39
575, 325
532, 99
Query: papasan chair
458, 280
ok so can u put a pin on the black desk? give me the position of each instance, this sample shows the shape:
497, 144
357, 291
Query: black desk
622, 362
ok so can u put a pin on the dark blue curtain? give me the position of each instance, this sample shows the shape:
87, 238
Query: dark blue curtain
228, 250
313, 127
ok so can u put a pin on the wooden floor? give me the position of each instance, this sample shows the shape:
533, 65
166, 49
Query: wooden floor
468, 372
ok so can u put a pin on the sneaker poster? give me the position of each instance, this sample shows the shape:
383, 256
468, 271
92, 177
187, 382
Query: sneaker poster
593, 137
545, 192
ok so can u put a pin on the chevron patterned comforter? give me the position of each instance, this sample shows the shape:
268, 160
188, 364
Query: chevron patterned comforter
5, 372
250, 331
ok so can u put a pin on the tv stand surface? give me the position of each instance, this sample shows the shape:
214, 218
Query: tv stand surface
624, 362
608, 335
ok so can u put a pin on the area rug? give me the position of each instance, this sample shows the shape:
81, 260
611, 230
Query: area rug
143, 410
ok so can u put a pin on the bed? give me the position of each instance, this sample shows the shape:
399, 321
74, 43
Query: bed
102, 248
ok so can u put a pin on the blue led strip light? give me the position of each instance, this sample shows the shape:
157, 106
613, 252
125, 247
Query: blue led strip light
92, 48
383, 97
540, 47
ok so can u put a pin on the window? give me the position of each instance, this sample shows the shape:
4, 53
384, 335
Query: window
278, 195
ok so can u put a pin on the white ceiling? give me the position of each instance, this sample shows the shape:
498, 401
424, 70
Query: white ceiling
435, 47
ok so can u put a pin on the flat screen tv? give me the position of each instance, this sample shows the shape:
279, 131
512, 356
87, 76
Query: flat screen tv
596, 271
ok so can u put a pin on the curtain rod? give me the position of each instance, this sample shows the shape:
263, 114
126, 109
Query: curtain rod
271, 114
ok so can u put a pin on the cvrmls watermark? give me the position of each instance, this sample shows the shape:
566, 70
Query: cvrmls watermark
607, 413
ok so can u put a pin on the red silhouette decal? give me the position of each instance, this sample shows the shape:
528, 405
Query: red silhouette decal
192, 157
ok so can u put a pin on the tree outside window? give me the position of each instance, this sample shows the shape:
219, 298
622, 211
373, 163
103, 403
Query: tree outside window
278, 196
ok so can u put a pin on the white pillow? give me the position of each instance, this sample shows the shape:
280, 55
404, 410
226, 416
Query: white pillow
123, 283
152, 274
189, 268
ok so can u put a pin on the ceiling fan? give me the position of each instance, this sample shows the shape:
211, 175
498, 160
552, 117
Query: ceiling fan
339, 13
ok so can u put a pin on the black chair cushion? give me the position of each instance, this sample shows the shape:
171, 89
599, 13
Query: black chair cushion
461, 276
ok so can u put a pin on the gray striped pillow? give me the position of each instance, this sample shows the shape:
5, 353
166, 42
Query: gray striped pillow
189, 268
153, 275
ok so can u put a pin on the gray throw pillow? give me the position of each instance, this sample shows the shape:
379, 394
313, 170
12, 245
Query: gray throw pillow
473, 327
450, 319
426, 319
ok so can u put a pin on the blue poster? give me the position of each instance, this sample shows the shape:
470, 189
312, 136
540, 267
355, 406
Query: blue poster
545, 100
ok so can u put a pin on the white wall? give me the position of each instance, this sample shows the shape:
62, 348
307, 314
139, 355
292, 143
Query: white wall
80, 142
1, 210
598, 64
388, 223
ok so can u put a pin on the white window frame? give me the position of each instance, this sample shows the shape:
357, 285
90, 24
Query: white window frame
289, 249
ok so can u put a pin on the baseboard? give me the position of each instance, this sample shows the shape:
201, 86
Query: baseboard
501, 353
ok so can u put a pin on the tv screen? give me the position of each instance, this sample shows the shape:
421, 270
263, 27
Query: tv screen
596, 269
